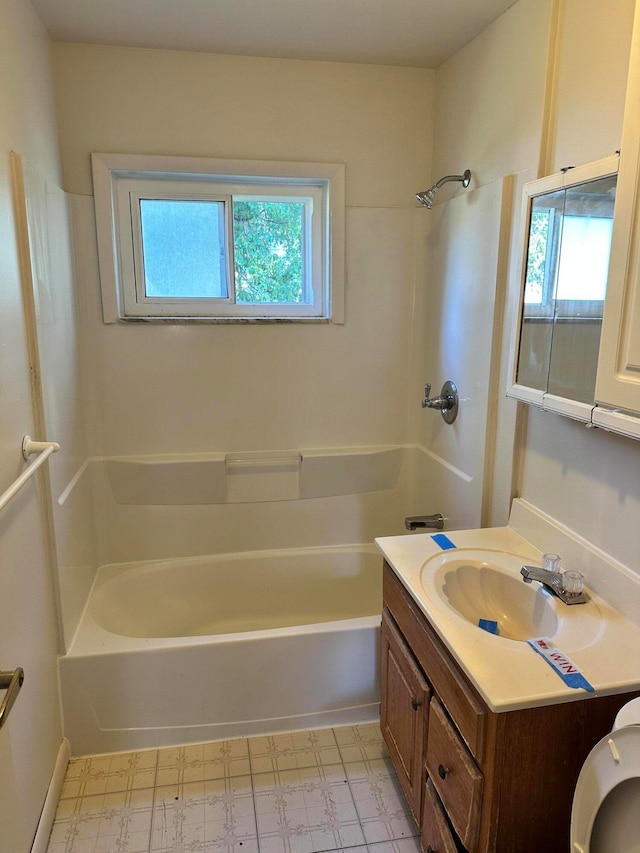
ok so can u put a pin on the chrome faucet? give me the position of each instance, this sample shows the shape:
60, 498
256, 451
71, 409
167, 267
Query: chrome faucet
554, 582
433, 522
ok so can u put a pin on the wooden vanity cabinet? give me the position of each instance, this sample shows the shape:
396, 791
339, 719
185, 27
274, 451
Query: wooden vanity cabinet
476, 780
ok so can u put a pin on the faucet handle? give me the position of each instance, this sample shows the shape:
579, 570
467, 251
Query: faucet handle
446, 402
551, 562
572, 582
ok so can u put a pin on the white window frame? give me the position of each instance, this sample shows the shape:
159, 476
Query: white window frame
120, 180
128, 194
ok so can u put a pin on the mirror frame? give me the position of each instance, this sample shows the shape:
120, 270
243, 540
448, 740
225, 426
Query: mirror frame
567, 178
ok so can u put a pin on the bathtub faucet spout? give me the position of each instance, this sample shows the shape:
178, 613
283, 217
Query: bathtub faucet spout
432, 522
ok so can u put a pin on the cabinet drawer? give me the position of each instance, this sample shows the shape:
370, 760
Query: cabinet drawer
455, 776
458, 696
436, 837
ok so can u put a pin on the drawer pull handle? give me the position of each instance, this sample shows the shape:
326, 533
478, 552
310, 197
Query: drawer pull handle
415, 704
443, 771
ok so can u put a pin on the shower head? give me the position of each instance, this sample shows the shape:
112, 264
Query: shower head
426, 197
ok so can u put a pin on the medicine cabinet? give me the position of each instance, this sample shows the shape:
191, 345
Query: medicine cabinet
556, 357
568, 223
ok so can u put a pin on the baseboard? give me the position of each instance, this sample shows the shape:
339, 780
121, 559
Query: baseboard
41, 839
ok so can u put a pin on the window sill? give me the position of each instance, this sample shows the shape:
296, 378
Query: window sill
244, 321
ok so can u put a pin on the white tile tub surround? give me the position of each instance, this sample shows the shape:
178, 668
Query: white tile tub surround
300, 792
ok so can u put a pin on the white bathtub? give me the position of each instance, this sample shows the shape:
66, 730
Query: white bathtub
224, 646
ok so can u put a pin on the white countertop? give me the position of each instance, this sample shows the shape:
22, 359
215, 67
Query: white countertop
507, 673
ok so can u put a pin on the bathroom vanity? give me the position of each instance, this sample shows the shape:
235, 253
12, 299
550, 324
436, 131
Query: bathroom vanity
486, 744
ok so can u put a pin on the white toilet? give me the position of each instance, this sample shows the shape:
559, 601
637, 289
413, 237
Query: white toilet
605, 817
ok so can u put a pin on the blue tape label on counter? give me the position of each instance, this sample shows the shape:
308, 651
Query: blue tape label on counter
568, 671
443, 541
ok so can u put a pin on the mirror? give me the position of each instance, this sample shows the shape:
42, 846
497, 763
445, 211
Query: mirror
569, 221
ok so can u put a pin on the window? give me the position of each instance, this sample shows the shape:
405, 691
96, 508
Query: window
192, 239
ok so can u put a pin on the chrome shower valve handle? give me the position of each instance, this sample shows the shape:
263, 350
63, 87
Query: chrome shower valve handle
446, 402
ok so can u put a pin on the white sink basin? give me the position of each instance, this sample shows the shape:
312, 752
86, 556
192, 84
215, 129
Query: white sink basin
478, 591
480, 584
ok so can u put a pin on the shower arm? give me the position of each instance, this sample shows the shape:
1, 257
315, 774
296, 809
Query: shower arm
463, 179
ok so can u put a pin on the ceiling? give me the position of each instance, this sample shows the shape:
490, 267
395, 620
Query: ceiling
414, 33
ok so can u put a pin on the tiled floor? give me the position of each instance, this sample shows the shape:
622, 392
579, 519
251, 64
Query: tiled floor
303, 792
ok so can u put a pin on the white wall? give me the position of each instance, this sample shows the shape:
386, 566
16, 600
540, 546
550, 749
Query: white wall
490, 105
489, 97
376, 119
30, 740
586, 479
460, 293
161, 389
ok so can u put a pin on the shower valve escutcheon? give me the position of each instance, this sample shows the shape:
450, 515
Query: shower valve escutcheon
446, 402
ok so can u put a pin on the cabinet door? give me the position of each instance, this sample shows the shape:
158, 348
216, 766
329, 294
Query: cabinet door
618, 379
403, 712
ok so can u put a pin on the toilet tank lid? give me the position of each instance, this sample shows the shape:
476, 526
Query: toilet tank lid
628, 715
